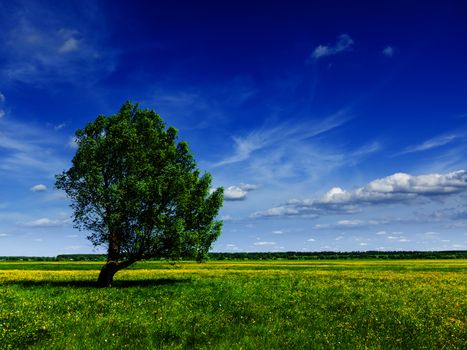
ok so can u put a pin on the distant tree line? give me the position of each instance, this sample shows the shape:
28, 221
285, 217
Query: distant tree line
64, 257
456, 254
447, 254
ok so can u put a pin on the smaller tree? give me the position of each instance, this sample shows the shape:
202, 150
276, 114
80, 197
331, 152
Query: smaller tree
138, 192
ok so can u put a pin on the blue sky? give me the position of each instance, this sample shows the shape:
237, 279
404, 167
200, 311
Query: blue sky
331, 125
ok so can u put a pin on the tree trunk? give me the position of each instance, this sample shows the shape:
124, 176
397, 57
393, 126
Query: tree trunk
112, 266
106, 276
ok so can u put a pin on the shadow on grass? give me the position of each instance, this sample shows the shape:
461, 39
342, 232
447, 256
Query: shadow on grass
93, 284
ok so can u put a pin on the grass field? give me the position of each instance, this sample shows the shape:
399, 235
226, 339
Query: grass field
236, 305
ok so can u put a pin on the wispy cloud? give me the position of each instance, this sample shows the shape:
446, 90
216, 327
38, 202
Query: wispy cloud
282, 211
59, 126
202, 106
43, 45
397, 188
350, 224
245, 146
432, 143
70, 43
388, 51
74, 248
344, 43
46, 222
264, 243
72, 143
28, 150
2, 100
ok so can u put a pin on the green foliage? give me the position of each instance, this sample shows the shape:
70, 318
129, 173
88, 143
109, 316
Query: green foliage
249, 305
137, 189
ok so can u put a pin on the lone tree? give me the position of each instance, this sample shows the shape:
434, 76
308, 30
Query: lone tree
136, 189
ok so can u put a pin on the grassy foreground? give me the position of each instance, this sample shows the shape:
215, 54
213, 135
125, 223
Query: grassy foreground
236, 305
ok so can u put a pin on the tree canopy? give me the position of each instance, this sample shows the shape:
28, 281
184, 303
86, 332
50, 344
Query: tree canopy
136, 189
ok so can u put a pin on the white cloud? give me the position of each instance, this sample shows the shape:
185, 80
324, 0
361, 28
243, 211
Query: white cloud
278, 232
3, 235
264, 243
320, 51
238, 193
344, 43
69, 45
74, 247
73, 143
59, 126
399, 187
360, 223
381, 233
349, 224
311, 240
39, 188
396, 188
388, 51
431, 233
2, 99
248, 187
41, 222
46, 222
277, 211
335, 194
234, 193
405, 184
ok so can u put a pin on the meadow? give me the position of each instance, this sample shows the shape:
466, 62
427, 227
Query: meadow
373, 304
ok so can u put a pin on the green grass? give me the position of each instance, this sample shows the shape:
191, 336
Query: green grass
234, 305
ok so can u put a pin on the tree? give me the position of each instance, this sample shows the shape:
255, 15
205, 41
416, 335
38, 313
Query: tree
136, 189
